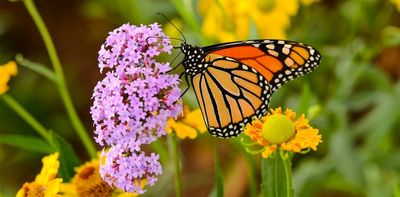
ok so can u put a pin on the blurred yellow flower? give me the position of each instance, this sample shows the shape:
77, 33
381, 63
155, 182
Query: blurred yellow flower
283, 130
87, 182
397, 4
188, 124
46, 184
6, 71
229, 20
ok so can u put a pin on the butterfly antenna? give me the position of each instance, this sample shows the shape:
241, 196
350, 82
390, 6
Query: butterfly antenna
165, 38
184, 38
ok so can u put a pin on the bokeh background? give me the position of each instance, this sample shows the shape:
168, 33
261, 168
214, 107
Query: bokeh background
353, 97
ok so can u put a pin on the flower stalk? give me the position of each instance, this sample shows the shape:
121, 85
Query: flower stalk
277, 175
176, 160
21, 111
219, 179
287, 165
60, 82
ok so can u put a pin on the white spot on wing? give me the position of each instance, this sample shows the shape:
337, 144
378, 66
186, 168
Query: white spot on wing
270, 46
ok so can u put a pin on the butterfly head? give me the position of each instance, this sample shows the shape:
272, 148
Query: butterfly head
194, 59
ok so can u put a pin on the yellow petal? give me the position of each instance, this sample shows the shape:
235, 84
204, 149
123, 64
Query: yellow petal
308, 2
195, 119
203, 6
10, 68
21, 192
49, 170
397, 4
170, 123
53, 187
183, 131
304, 139
68, 190
268, 151
6, 71
3, 89
127, 195
4, 78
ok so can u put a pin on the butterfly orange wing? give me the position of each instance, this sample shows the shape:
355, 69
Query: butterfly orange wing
230, 94
239, 78
278, 61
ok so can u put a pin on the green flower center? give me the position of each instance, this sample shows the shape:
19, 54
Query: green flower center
278, 129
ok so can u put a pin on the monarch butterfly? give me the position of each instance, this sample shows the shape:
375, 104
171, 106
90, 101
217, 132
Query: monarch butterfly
234, 81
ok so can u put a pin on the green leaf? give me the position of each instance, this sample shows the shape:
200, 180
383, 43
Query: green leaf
310, 175
187, 12
273, 176
391, 36
68, 158
29, 143
305, 99
342, 148
396, 189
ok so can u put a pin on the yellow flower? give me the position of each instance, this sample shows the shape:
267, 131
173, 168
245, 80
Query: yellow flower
6, 71
87, 182
397, 4
46, 184
68, 190
283, 130
188, 124
229, 20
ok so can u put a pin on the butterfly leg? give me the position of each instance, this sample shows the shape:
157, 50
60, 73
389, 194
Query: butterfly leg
186, 89
180, 76
173, 62
188, 85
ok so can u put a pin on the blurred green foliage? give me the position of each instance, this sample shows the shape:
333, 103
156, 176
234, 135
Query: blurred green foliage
353, 97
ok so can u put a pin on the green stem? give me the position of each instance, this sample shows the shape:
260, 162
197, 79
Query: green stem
13, 104
62, 86
288, 172
176, 160
36, 67
218, 172
252, 175
276, 174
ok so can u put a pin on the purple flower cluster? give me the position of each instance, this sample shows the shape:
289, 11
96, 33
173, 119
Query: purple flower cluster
131, 171
132, 103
